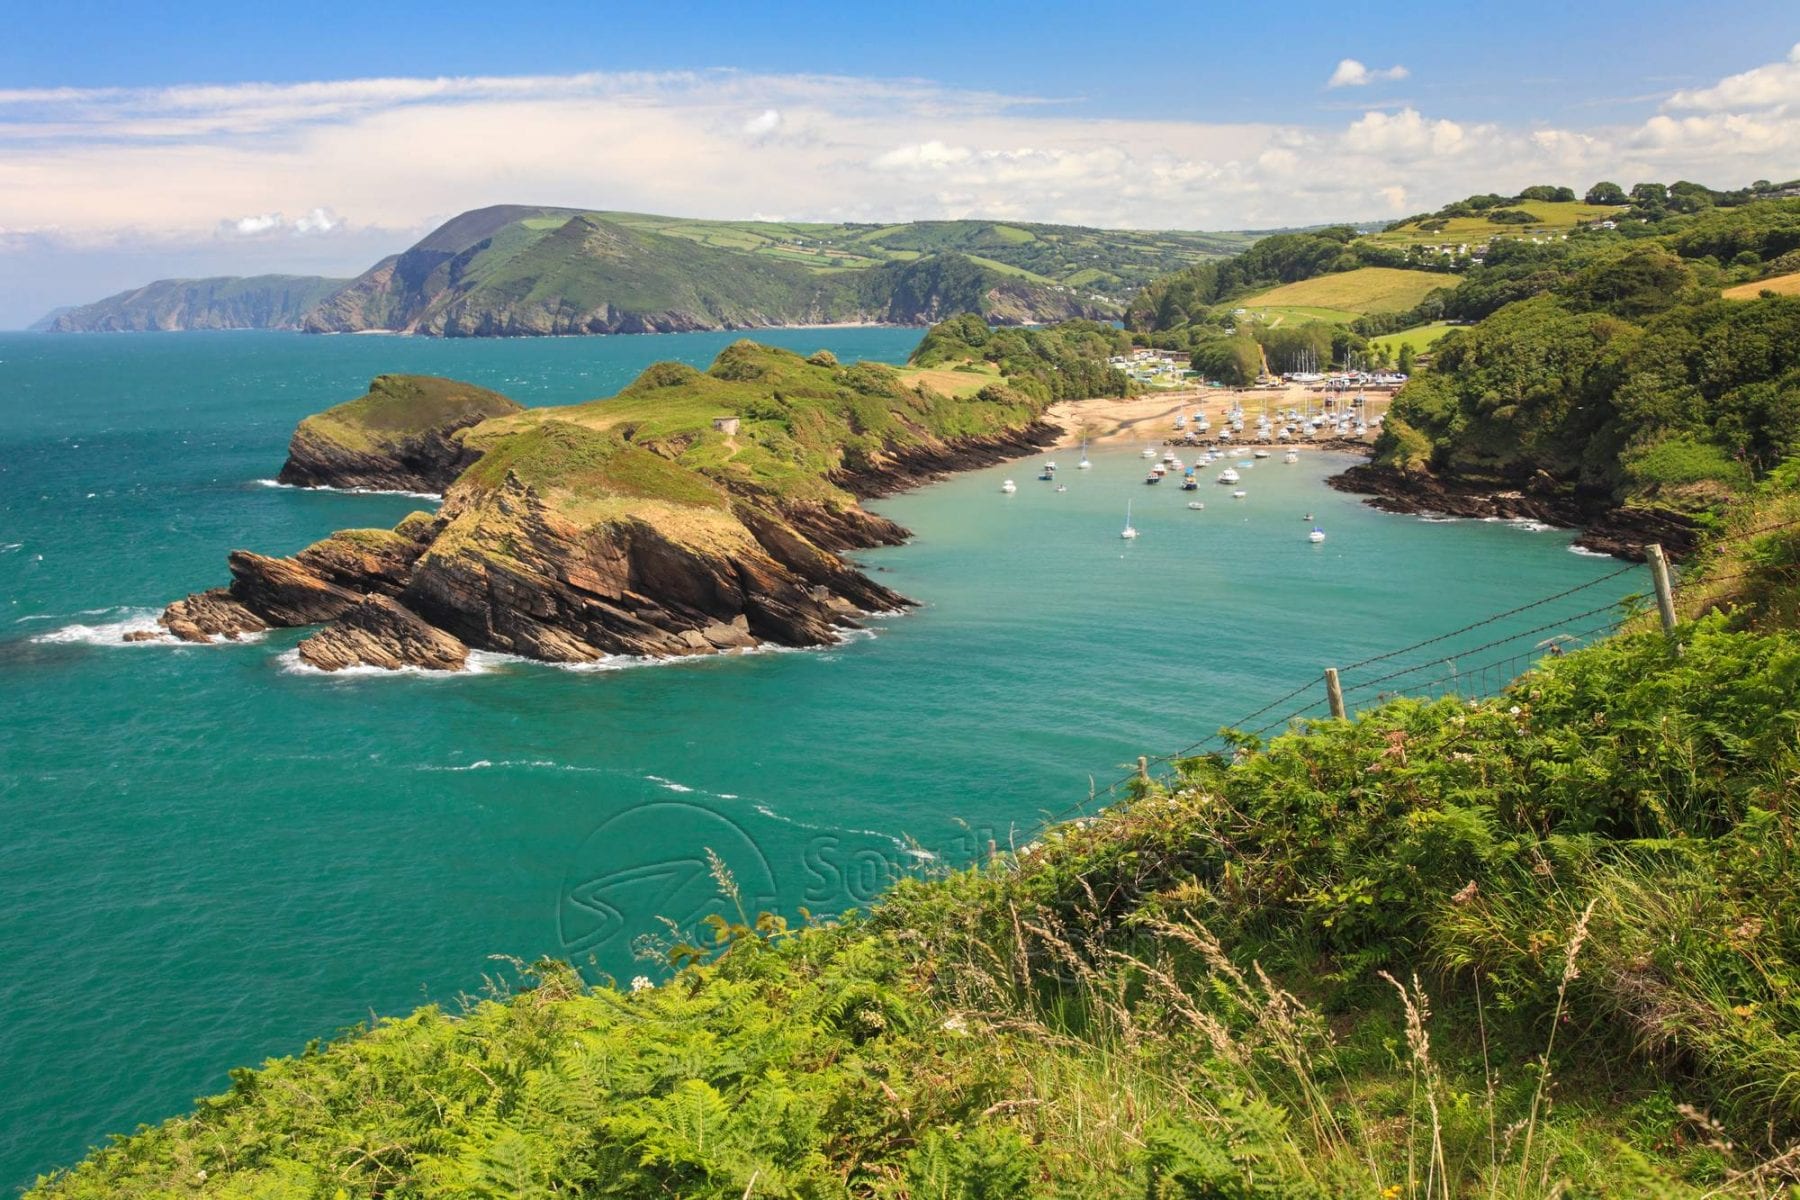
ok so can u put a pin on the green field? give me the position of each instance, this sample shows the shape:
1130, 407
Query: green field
1781, 285
1109, 262
1419, 337
1296, 314
1350, 294
1555, 217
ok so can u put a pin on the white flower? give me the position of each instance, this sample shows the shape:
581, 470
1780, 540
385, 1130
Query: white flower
1514, 710
641, 984
956, 1024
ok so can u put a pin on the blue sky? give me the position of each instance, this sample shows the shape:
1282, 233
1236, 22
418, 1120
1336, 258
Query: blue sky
136, 141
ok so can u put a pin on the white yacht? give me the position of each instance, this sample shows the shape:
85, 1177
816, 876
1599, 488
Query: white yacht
1317, 535
1228, 475
1009, 487
1239, 494
1149, 452
1128, 531
1291, 456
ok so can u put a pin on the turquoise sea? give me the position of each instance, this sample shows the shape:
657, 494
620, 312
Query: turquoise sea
208, 857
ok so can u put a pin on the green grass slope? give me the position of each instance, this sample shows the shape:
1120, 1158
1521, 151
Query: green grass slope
1359, 292
227, 302
1539, 946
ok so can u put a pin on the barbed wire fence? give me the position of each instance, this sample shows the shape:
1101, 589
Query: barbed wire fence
1473, 673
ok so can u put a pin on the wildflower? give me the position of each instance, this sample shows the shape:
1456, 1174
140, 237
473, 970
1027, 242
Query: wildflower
641, 983
1390, 1192
955, 1024
1514, 710
1469, 892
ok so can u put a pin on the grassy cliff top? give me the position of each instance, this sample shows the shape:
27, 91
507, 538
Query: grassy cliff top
799, 420
398, 405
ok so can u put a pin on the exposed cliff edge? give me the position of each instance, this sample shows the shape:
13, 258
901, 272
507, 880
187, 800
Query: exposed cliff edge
690, 514
224, 302
403, 435
1606, 526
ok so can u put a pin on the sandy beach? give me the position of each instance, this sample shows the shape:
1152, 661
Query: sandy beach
1150, 418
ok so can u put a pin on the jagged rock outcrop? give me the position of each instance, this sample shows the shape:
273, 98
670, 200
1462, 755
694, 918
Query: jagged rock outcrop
403, 435
640, 525
379, 632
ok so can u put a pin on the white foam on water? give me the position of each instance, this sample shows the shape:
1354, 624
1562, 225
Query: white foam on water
293, 664
112, 633
670, 784
357, 491
1586, 553
9, 547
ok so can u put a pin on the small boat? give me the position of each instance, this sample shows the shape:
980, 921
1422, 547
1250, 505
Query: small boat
1047, 475
1128, 531
1154, 477
1196, 505
1228, 475
1262, 454
1009, 487
1239, 494
1084, 464
1190, 484
1051, 465
1062, 487
1149, 452
1290, 457
1317, 535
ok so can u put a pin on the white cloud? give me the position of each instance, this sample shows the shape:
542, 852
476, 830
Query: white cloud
1351, 73
251, 226
316, 220
1774, 86
130, 169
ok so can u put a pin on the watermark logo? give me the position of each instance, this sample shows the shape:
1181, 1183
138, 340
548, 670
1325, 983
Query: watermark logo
649, 869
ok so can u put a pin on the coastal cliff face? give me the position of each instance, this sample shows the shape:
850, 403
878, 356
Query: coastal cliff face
227, 302
1623, 531
403, 435
517, 272
631, 526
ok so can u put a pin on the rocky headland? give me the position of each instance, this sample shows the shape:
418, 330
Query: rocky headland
1607, 527
693, 513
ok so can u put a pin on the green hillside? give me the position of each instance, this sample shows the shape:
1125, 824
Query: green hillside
512, 271
1357, 292
1109, 262
228, 302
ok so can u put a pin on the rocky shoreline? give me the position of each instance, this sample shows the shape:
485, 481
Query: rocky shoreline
1605, 527
569, 542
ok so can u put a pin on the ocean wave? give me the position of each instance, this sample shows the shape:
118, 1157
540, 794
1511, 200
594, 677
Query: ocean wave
295, 487
1586, 553
479, 662
9, 547
109, 633
670, 784
1431, 518
899, 843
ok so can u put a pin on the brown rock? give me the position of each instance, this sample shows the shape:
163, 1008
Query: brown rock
379, 632
283, 592
204, 616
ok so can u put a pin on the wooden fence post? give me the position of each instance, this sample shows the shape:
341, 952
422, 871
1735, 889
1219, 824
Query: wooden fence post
1143, 768
1665, 591
1334, 692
